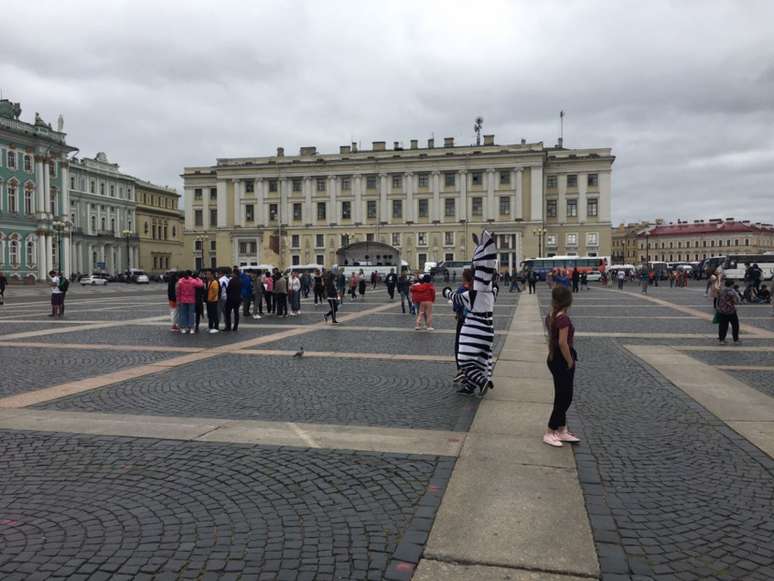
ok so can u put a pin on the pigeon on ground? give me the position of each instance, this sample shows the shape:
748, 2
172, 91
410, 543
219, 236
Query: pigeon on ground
299, 353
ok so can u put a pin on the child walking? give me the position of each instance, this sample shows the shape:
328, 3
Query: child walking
561, 363
423, 294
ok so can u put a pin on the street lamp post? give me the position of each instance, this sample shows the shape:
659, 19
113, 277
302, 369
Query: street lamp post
58, 226
127, 235
202, 240
540, 233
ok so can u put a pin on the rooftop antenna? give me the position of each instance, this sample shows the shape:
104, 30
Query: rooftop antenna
477, 128
561, 128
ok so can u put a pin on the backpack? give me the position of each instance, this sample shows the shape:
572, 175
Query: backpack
726, 303
64, 284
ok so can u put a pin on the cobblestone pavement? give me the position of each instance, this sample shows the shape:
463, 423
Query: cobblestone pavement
761, 380
323, 391
78, 507
672, 492
24, 369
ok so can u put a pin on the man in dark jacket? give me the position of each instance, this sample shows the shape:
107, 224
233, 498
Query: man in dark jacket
575, 280
391, 280
403, 291
171, 297
233, 299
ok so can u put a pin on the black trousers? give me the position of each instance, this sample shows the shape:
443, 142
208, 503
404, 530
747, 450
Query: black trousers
199, 309
391, 291
212, 315
246, 305
531, 287
268, 297
575, 286
460, 322
232, 308
318, 296
282, 304
334, 303
723, 326
564, 380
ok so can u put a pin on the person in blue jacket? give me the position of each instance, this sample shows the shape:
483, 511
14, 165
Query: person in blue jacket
247, 292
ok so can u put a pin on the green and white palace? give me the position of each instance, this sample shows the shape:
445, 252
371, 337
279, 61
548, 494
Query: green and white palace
33, 197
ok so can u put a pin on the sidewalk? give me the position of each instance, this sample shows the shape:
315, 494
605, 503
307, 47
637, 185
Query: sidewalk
513, 508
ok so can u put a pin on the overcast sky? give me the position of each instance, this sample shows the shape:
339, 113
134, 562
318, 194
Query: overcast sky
682, 91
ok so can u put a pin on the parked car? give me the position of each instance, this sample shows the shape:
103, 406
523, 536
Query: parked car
94, 279
138, 276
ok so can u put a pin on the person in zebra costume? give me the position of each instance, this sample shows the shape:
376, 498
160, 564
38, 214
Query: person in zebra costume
474, 354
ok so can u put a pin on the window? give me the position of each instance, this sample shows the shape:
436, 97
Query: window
319, 241
371, 182
572, 180
295, 259
746, 241
592, 208
102, 223
272, 185
592, 180
505, 178
477, 207
153, 230
476, 178
27, 163
94, 222
370, 237
297, 212
297, 184
448, 238
572, 208
572, 240
11, 160
249, 186
592, 239
421, 238
396, 239
30, 252
397, 209
397, 182
13, 249
320, 184
551, 208
449, 210
551, 182
736, 242
320, 259
346, 210
174, 230
213, 217
423, 208
272, 212
12, 202
112, 191
449, 256
213, 194
449, 180
101, 189
421, 259
424, 180
213, 245
321, 210
52, 168
249, 212
505, 205
92, 186
346, 184
371, 209
72, 183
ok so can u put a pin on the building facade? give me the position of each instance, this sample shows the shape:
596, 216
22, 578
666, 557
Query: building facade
102, 214
625, 248
423, 201
697, 240
159, 228
33, 196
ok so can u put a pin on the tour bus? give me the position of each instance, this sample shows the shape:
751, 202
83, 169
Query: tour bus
588, 264
369, 268
660, 268
304, 268
735, 265
708, 265
254, 268
453, 268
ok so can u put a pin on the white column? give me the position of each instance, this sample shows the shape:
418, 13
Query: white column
604, 196
561, 202
63, 171
222, 205
260, 202
491, 211
42, 262
49, 252
309, 217
536, 193
436, 212
238, 218
383, 211
334, 215
188, 205
357, 184
47, 187
462, 208
408, 211
66, 254
283, 208
40, 202
582, 183
518, 195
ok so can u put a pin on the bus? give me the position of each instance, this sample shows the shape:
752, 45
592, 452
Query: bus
588, 264
735, 265
708, 265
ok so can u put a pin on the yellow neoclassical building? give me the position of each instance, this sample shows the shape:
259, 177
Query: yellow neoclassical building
424, 201
160, 225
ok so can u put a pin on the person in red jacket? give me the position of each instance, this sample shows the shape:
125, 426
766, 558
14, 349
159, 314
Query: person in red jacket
186, 300
423, 295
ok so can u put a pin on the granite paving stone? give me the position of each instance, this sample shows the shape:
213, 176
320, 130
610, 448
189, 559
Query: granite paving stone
139, 508
763, 381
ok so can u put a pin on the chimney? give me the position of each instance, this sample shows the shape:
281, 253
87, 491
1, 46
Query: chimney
280, 152
414, 144
396, 145
489, 140
430, 143
309, 150
448, 142
344, 149
378, 145
354, 147
523, 141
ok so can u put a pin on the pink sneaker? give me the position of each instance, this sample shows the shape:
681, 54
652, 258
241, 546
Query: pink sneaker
551, 439
563, 435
